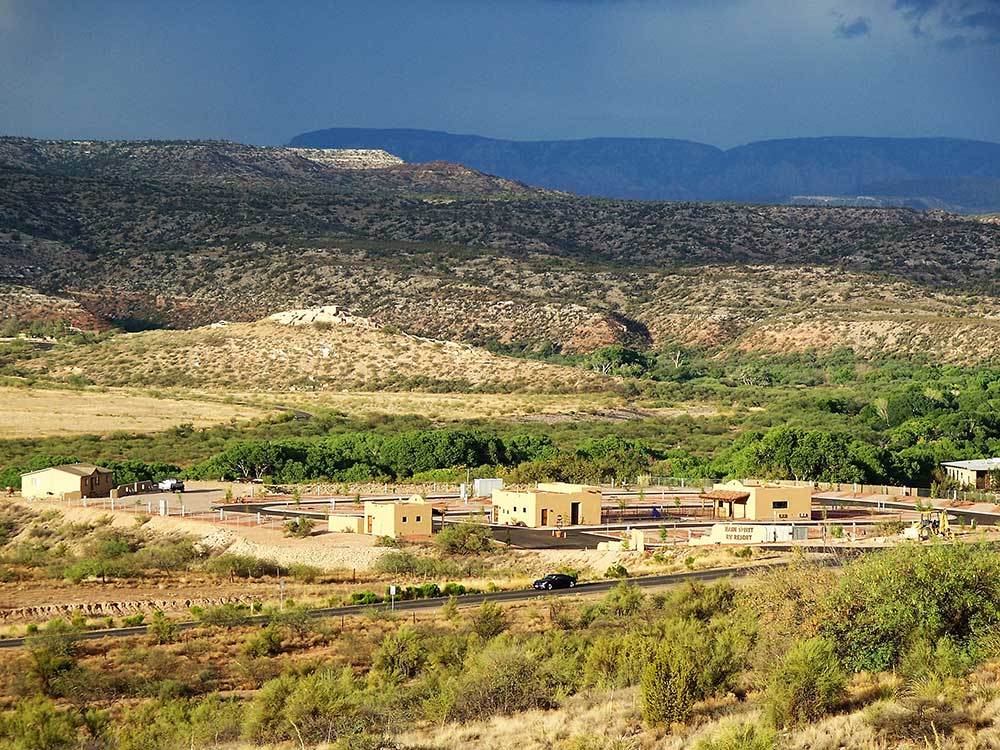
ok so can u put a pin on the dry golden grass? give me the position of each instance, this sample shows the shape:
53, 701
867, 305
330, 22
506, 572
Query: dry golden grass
444, 406
26, 413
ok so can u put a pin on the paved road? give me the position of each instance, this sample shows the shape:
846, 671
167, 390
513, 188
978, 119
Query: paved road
470, 599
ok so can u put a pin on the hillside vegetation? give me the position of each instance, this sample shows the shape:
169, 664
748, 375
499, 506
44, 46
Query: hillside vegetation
310, 352
183, 234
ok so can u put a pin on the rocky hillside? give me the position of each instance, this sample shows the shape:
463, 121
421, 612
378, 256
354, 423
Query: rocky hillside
922, 173
180, 246
302, 350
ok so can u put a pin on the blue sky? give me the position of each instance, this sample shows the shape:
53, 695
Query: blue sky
718, 71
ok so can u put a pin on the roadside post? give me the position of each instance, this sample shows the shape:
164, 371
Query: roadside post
392, 598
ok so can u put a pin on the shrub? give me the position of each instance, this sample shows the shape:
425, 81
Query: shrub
501, 679
616, 571
692, 661
266, 643
244, 566
299, 527
304, 573
741, 737
162, 629
225, 615
364, 597
464, 539
615, 661
320, 707
36, 724
489, 620
922, 720
700, 602
52, 655
400, 655
624, 600
936, 591
133, 621
669, 686
807, 684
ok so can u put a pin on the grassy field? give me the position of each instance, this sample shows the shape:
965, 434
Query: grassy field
33, 412
449, 407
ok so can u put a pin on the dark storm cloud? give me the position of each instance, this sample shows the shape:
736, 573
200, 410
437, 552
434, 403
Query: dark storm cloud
852, 29
716, 71
953, 23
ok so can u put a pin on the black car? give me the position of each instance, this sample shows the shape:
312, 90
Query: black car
555, 581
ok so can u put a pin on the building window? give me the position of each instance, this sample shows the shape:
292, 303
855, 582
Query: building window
779, 504
417, 519
524, 510
404, 519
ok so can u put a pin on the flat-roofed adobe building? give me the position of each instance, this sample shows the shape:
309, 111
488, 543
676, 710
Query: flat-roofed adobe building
69, 482
753, 501
979, 474
549, 504
397, 519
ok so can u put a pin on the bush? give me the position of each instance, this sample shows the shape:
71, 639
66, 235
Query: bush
624, 600
807, 684
616, 571
937, 591
692, 661
364, 597
669, 686
225, 615
52, 655
489, 620
615, 661
266, 643
244, 566
464, 539
36, 724
741, 737
501, 679
400, 655
320, 707
299, 527
700, 602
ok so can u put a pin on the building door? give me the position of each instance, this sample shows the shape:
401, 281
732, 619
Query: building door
496, 514
369, 519
574, 514
545, 516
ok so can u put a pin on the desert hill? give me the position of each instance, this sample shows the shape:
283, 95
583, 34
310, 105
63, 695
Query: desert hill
302, 350
946, 173
210, 232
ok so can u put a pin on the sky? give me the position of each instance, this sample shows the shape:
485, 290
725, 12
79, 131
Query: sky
723, 72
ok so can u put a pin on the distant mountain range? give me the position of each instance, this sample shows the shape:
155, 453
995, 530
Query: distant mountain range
923, 173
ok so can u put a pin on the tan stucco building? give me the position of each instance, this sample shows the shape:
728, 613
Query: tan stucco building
68, 482
978, 474
399, 519
754, 501
549, 504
